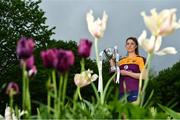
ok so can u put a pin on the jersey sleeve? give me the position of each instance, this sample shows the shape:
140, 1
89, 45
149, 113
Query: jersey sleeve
141, 63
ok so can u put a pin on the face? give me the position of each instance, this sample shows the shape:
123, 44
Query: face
130, 46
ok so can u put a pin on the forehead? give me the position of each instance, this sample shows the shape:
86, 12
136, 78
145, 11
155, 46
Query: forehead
130, 41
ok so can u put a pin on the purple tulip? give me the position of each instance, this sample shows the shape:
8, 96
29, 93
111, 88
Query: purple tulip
12, 89
25, 48
29, 63
84, 48
65, 60
32, 71
30, 67
49, 57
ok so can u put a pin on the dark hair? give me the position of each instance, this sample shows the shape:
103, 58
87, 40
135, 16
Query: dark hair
136, 42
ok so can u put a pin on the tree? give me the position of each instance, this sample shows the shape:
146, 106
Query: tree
20, 18
166, 87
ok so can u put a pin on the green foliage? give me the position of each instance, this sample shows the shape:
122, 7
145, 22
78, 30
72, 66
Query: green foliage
166, 87
20, 18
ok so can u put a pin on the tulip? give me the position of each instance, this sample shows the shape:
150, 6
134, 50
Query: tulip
12, 89
153, 45
65, 59
85, 78
49, 57
84, 48
96, 28
161, 24
24, 48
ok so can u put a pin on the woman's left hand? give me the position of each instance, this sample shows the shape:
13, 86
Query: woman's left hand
124, 72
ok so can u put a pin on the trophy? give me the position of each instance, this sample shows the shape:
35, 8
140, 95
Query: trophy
109, 53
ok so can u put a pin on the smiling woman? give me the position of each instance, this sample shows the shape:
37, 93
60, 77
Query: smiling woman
130, 68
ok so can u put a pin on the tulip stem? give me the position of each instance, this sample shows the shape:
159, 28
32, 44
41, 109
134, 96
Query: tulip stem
82, 65
147, 66
11, 102
55, 94
98, 65
79, 93
48, 94
64, 87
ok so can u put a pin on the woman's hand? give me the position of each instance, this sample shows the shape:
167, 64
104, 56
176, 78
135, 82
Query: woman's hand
124, 72
130, 74
112, 62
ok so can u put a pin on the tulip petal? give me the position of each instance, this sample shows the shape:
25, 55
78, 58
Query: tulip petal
158, 43
142, 37
167, 50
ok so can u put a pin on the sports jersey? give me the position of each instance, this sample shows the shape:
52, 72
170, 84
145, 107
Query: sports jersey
133, 64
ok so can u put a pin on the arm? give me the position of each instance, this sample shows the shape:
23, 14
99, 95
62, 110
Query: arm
131, 74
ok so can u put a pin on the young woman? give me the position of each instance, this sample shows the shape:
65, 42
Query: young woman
130, 68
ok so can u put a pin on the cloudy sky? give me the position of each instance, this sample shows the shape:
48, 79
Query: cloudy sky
69, 17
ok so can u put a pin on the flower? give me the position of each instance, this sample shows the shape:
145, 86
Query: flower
84, 48
85, 78
96, 28
25, 48
163, 23
10, 114
29, 64
32, 71
49, 57
65, 59
153, 45
12, 89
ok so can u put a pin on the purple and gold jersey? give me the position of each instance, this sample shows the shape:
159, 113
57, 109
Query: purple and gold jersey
134, 64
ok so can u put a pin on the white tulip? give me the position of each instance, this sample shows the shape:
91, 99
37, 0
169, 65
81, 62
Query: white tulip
163, 23
153, 45
85, 78
96, 28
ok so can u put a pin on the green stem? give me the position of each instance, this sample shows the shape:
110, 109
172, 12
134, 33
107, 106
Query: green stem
107, 85
82, 65
95, 90
79, 93
64, 87
48, 94
24, 87
60, 97
147, 67
55, 93
28, 100
11, 103
97, 62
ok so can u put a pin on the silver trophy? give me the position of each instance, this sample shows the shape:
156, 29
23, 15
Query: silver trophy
109, 53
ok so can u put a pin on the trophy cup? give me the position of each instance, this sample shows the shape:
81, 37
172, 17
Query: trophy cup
110, 54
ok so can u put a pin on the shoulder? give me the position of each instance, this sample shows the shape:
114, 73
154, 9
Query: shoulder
141, 58
122, 60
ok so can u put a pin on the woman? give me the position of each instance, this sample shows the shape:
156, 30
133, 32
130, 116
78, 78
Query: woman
130, 68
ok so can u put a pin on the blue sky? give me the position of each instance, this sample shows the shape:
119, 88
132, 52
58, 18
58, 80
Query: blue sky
69, 17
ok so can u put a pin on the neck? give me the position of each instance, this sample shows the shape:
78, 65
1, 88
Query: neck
132, 54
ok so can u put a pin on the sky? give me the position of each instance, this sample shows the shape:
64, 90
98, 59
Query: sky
124, 20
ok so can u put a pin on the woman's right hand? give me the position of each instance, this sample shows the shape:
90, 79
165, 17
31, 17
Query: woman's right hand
112, 62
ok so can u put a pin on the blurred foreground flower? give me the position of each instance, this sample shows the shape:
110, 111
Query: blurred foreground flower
49, 57
24, 48
153, 45
85, 78
12, 89
10, 114
84, 48
161, 24
29, 64
65, 59
96, 28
